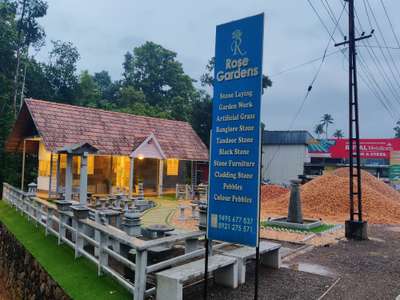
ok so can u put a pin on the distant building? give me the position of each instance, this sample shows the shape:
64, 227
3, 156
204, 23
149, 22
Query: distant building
284, 155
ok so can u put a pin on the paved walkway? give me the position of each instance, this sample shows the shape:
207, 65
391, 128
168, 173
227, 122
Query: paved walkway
161, 213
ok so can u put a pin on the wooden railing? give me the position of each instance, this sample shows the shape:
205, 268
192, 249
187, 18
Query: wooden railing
104, 239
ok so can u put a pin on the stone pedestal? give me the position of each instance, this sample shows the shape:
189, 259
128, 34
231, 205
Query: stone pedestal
356, 230
203, 216
132, 223
295, 214
32, 189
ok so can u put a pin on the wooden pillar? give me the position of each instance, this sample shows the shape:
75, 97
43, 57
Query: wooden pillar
160, 177
68, 178
58, 177
131, 176
23, 166
83, 180
51, 175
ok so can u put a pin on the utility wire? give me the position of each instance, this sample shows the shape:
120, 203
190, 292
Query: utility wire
310, 87
390, 23
367, 3
379, 65
284, 71
370, 82
369, 79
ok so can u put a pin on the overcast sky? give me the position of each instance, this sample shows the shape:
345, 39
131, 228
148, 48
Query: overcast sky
104, 30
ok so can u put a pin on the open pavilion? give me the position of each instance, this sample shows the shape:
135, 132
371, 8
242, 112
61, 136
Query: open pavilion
110, 152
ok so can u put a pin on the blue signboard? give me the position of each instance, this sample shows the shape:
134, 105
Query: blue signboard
233, 211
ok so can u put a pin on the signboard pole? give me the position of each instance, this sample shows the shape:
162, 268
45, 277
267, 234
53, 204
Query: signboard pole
206, 271
259, 218
233, 211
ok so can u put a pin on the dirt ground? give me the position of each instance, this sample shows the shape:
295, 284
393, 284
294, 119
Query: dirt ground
343, 270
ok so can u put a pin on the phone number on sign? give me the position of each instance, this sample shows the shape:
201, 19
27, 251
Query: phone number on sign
235, 223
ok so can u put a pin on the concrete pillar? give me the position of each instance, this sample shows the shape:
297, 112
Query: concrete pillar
83, 180
295, 214
68, 178
160, 177
131, 176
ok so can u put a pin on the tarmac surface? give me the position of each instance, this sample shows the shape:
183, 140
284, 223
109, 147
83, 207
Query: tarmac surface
345, 270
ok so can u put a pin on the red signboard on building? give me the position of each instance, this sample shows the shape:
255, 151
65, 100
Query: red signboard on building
339, 148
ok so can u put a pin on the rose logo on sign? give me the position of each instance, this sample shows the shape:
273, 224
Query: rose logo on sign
237, 41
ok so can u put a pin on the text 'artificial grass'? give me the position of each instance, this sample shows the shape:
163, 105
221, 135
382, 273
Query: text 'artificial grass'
77, 277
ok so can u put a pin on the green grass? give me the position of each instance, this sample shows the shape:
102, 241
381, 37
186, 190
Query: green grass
319, 229
77, 277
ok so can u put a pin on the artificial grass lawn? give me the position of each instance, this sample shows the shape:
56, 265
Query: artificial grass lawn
77, 277
319, 229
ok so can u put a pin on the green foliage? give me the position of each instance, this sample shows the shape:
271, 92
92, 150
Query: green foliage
201, 117
32, 33
61, 71
89, 92
153, 83
319, 129
397, 130
326, 120
155, 71
338, 134
61, 264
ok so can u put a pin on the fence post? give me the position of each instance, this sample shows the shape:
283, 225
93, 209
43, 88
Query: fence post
103, 256
140, 274
78, 239
61, 228
49, 221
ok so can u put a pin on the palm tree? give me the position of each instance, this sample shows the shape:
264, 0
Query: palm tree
397, 130
325, 121
338, 134
319, 129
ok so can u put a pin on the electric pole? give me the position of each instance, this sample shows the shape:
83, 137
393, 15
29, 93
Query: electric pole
355, 228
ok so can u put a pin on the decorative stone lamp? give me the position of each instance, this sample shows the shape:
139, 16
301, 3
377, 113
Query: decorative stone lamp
80, 212
63, 205
203, 215
32, 189
132, 223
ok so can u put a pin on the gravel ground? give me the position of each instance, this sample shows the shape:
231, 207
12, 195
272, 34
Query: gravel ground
367, 270
351, 270
273, 284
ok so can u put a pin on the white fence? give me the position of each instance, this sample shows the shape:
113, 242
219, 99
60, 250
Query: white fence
105, 240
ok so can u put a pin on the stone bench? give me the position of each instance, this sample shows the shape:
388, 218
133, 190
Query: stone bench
269, 256
170, 282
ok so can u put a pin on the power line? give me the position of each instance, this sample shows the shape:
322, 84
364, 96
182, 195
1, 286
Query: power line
383, 37
369, 79
304, 64
310, 87
390, 23
380, 67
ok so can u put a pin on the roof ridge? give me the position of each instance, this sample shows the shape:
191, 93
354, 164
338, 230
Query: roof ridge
103, 110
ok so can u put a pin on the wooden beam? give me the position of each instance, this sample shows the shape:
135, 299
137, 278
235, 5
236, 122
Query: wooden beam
23, 166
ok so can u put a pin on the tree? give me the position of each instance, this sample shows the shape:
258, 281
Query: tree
89, 91
29, 33
108, 89
319, 129
326, 120
155, 71
201, 117
61, 71
397, 130
338, 134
